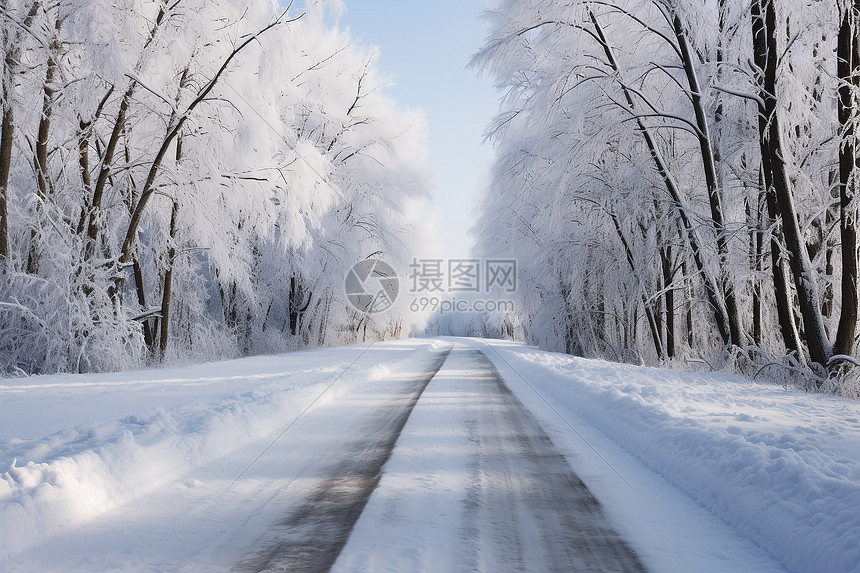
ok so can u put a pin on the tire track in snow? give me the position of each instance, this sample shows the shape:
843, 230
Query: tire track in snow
525, 508
312, 536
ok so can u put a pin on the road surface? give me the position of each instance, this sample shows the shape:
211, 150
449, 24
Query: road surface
311, 537
513, 503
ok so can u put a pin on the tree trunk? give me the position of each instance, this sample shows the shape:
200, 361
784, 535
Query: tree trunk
831, 219
40, 161
690, 298
294, 305
657, 311
766, 53
778, 263
168, 282
297, 308
40, 158
715, 200
848, 70
668, 278
105, 169
6, 139
84, 168
148, 330
326, 305
11, 48
782, 281
756, 251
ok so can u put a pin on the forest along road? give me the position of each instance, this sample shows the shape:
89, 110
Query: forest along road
473, 484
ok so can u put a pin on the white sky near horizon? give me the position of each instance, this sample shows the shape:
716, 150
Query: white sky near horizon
424, 48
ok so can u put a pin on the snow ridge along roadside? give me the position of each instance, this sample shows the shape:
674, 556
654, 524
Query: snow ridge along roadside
76, 474
781, 468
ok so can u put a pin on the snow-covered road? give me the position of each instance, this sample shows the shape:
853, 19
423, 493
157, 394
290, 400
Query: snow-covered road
312, 535
476, 485
518, 505
329, 459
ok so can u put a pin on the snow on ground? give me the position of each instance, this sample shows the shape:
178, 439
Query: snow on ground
781, 468
135, 471
76, 447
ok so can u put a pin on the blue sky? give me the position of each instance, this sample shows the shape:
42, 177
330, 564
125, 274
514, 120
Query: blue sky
424, 48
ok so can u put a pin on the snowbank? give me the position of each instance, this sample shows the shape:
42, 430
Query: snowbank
76, 474
781, 467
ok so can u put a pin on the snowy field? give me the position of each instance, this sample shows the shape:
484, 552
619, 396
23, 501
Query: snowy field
185, 469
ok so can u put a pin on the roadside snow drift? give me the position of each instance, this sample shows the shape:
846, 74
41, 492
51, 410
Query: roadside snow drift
57, 477
782, 467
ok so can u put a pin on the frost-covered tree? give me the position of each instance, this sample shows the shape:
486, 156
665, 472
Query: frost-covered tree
653, 153
191, 178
